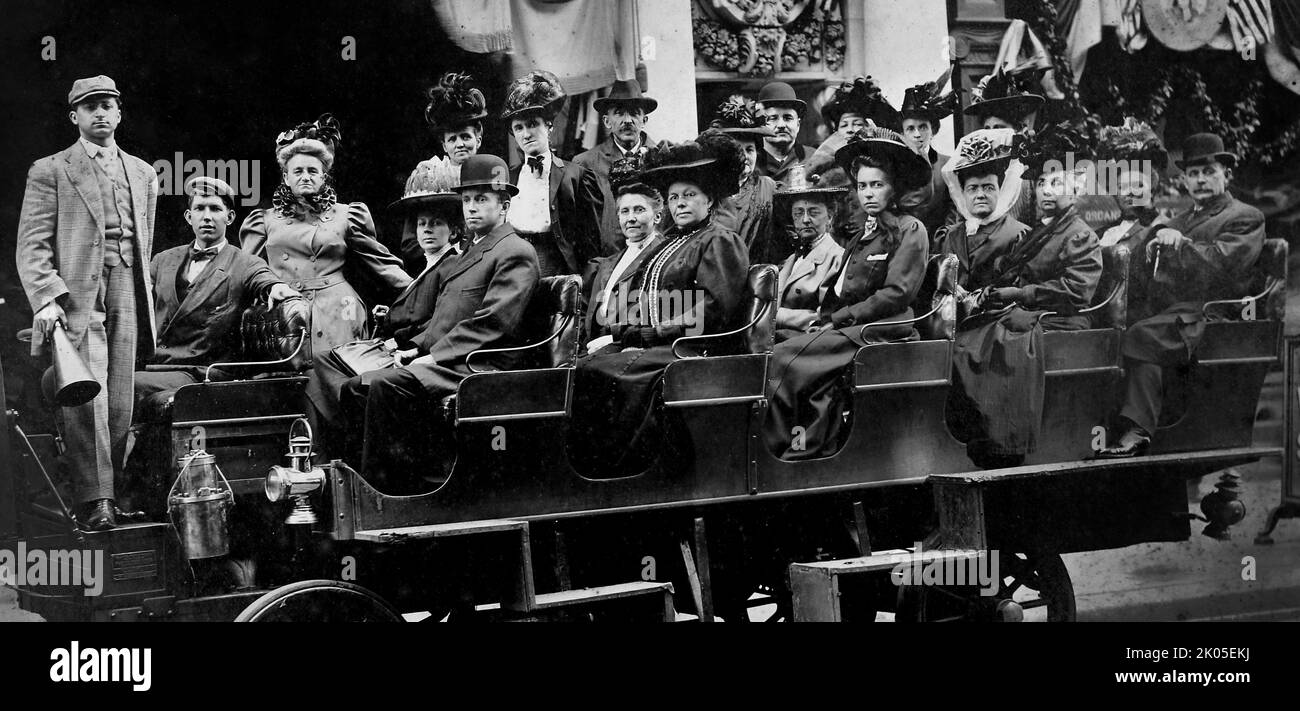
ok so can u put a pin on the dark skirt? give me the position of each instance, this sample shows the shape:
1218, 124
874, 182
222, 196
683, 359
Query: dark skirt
808, 389
997, 400
619, 427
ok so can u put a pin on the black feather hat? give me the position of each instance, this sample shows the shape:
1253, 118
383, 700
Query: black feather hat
1006, 95
1134, 140
929, 102
863, 97
1058, 144
714, 161
454, 103
910, 170
538, 91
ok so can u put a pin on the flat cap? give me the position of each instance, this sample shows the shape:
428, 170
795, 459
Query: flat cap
91, 86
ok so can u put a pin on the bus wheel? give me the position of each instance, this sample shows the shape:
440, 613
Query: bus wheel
1032, 588
319, 601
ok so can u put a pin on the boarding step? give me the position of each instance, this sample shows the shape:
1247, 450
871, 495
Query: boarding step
649, 601
818, 589
403, 534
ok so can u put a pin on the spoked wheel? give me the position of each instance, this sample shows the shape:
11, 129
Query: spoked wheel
319, 601
1032, 588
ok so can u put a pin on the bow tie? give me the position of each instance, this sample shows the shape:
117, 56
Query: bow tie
199, 255
535, 163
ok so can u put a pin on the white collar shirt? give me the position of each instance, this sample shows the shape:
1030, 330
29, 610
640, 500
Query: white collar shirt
530, 210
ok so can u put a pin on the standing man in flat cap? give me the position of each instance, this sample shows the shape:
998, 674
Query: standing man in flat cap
623, 114
784, 113
85, 237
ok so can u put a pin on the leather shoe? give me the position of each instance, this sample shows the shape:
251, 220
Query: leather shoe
129, 516
1133, 443
99, 515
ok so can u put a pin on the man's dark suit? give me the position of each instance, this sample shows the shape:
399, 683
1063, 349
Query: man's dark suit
198, 323
567, 227
596, 205
481, 304
779, 170
1219, 263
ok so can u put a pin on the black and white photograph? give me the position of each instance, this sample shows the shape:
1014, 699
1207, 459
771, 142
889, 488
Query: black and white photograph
649, 311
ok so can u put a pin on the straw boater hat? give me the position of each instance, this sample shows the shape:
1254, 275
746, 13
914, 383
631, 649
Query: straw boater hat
928, 101
1005, 95
454, 103
738, 117
910, 170
862, 97
431, 187
713, 161
1184, 26
537, 91
626, 93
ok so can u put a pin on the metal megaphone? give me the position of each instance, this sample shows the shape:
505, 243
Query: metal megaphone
68, 382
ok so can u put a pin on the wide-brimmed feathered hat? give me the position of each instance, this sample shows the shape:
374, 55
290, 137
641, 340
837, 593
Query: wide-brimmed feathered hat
799, 186
454, 103
714, 161
1006, 95
1056, 144
431, 186
538, 91
910, 170
862, 97
1132, 141
929, 102
738, 117
983, 150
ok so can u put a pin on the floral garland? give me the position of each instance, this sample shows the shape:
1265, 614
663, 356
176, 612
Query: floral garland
1182, 81
816, 36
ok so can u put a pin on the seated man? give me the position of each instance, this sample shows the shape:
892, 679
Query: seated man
806, 274
1204, 255
200, 291
996, 404
639, 208
482, 303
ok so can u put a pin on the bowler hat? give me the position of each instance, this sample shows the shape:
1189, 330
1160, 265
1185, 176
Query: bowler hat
780, 94
1203, 148
486, 171
626, 93
83, 89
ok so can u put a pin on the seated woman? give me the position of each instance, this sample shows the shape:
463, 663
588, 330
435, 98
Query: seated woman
985, 184
694, 282
1041, 282
882, 272
805, 274
321, 248
431, 218
1137, 159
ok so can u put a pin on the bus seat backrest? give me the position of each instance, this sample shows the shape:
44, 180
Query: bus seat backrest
1272, 265
937, 290
1112, 288
762, 312
268, 335
556, 299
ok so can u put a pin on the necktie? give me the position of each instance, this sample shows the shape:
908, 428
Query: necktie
106, 162
199, 255
536, 164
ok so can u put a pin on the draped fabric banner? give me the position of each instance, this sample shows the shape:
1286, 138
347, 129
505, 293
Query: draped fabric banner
479, 26
1079, 21
588, 44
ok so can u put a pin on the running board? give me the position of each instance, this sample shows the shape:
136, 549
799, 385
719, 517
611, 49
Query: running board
816, 587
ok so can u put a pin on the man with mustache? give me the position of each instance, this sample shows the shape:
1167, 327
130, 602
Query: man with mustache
1206, 254
784, 114
623, 114
85, 237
